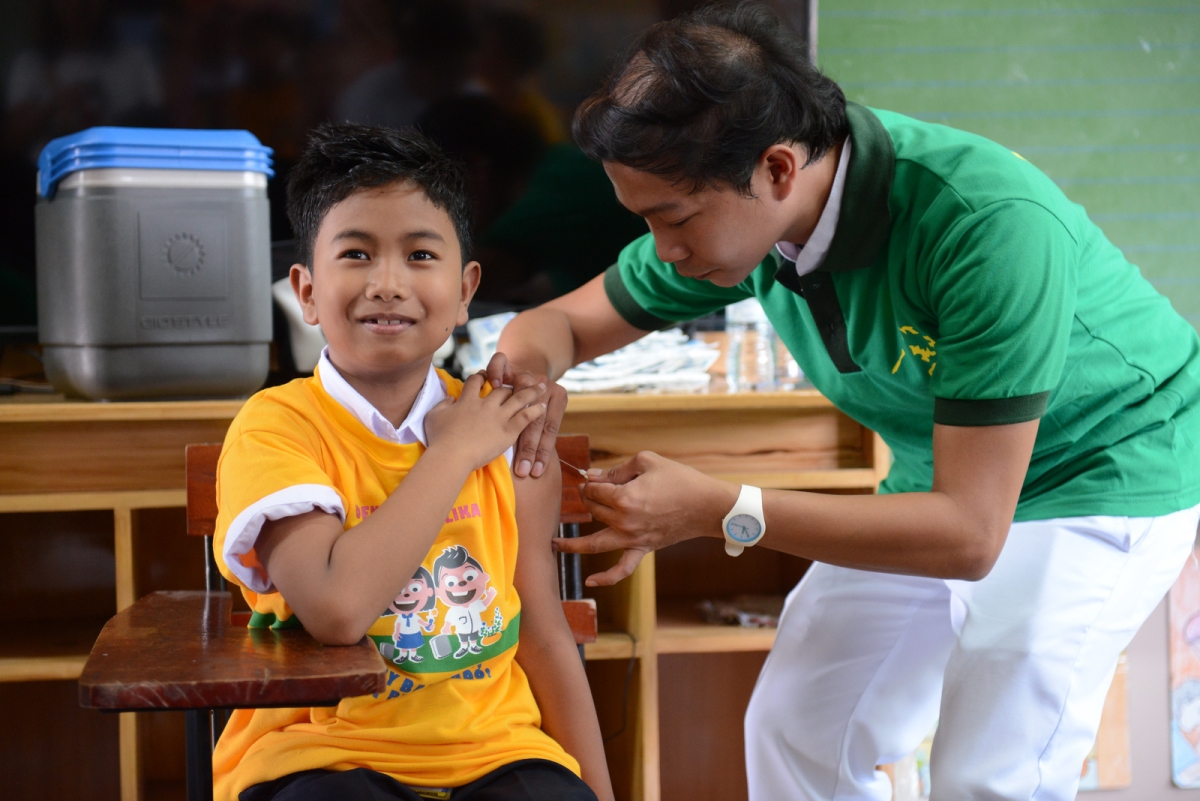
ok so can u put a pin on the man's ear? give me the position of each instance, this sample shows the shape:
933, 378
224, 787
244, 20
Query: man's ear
470, 283
781, 165
302, 285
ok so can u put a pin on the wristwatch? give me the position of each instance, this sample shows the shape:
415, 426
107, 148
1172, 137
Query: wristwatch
744, 525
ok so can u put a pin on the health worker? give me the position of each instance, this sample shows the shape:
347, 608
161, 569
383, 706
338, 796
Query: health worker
1041, 400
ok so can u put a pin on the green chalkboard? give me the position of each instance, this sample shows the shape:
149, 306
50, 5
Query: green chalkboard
1103, 96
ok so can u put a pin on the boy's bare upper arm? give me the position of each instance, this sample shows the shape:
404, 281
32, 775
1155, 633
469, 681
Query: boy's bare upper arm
538, 503
294, 550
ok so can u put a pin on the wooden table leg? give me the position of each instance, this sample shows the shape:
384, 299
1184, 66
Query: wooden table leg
130, 756
127, 743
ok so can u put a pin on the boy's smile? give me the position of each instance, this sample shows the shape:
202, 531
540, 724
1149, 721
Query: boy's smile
388, 286
387, 324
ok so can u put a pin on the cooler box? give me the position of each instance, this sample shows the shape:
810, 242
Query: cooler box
154, 263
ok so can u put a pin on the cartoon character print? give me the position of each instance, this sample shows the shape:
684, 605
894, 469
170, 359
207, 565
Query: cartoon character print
415, 613
462, 585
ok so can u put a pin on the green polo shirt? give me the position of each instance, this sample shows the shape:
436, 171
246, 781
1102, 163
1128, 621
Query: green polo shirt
962, 287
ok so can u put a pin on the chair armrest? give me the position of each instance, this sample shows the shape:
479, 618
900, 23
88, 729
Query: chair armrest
179, 650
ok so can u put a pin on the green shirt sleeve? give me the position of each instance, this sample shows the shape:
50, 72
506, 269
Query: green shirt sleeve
650, 295
1002, 289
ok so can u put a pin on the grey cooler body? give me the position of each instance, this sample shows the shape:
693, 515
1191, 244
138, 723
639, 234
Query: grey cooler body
155, 283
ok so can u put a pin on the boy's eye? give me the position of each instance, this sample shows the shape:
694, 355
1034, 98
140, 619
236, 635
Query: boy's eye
469, 576
355, 254
414, 588
421, 255
450, 582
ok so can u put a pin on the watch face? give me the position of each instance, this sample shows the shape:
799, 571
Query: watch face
743, 528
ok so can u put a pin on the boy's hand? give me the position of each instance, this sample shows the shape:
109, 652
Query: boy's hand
480, 429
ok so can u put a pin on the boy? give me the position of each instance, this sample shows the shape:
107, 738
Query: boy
335, 490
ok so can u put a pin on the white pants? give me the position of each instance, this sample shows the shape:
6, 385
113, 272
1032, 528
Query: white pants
1014, 668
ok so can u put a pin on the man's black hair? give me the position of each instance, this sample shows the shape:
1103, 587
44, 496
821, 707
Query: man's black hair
451, 558
700, 97
341, 159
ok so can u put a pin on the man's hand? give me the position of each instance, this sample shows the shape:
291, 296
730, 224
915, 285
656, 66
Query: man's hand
546, 342
954, 531
648, 503
535, 446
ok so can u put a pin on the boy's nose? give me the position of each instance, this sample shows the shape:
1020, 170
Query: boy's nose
388, 282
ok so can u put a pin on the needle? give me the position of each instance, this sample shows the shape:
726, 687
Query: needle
578, 470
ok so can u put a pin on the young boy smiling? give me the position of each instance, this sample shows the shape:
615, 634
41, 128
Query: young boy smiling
336, 492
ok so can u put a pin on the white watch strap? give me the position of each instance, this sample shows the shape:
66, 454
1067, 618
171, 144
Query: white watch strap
749, 502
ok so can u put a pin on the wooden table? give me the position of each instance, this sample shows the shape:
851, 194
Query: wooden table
190, 632
126, 458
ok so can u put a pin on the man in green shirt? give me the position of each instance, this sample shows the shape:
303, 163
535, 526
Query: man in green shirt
1042, 402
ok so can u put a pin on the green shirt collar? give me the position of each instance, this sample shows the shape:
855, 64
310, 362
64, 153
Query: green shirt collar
864, 221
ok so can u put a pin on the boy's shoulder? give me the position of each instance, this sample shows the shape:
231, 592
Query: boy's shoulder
303, 411
293, 409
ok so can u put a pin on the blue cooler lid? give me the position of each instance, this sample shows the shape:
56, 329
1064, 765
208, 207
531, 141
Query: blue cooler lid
150, 148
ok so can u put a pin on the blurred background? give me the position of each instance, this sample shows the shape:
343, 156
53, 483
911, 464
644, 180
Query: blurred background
1104, 95
494, 82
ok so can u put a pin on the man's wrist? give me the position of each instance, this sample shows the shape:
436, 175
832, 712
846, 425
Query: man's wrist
723, 496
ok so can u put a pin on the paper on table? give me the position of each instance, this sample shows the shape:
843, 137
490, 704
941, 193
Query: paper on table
662, 360
659, 360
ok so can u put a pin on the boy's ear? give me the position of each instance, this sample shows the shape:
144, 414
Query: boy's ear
470, 283
302, 285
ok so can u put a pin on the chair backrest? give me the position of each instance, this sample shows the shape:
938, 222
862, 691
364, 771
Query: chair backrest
201, 473
202, 483
573, 449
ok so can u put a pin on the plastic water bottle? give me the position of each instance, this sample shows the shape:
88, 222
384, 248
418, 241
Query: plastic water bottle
788, 374
750, 364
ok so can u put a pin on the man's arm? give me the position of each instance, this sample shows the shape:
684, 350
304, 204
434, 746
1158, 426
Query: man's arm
541, 344
956, 530
574, 328
547, 651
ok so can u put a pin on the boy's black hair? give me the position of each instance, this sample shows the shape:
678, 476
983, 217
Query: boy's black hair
451, 558
700, 97
341, 159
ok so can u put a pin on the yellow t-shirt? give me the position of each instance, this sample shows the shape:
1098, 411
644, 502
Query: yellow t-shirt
457, 705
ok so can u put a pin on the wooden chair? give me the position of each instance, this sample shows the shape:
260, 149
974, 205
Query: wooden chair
189, 651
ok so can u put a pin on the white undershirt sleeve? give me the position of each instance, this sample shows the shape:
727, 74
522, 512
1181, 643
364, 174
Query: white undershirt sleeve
243, 532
